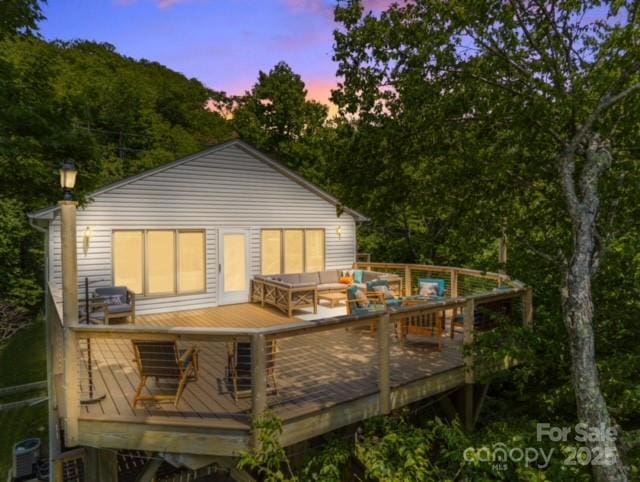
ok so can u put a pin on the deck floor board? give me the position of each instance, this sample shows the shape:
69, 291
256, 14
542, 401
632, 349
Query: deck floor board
313, 371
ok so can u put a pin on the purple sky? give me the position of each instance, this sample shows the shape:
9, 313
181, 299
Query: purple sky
223, 43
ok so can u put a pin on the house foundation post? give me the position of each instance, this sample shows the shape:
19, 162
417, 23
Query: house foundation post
101, 465
469, 377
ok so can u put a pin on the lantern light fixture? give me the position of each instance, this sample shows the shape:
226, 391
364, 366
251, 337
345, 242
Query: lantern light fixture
68, 175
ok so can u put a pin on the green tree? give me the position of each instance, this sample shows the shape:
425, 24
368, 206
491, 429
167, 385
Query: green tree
114, 115
19, 17
527, 99
277, 117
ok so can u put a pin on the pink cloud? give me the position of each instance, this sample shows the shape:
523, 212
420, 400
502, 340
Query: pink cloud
327, 6
380, 4
163, 4
308, 5
320, 91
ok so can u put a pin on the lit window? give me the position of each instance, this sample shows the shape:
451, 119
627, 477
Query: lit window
159, 262
292, 250
314, 249
271, 255
127, 259
191, 261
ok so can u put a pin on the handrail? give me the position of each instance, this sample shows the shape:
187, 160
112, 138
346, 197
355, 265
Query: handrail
431, 267
194, 332
261, 338
57, 304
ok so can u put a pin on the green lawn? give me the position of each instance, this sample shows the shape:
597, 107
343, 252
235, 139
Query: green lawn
19, 424
23, 360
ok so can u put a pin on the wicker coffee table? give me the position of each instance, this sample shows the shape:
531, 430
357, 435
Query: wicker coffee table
334, 297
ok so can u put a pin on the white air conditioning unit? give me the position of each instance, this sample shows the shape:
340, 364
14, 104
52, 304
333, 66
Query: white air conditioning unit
25, 457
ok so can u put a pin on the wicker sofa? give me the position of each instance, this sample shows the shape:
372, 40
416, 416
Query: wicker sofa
289, 292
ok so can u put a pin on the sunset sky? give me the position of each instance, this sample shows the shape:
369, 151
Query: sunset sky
223, 43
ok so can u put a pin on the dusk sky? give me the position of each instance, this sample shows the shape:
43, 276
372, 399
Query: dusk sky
223, 43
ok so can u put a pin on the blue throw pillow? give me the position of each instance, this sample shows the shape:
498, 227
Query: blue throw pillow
439, 281
352, 292
357, 275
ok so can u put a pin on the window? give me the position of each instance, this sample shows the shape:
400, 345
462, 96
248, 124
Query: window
159, 262
292, 250
271, 251
191, 261
314, 249
127, 259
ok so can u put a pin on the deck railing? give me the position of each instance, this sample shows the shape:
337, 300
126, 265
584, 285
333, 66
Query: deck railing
305, 372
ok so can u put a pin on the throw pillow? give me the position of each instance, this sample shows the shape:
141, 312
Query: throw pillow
113, 300
429, 289
357, 275
384, 289
346, 280
361, 299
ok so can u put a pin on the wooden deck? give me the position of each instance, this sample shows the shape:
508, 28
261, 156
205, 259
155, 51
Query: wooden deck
314, 372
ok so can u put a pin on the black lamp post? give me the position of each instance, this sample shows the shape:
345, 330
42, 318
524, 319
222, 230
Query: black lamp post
68, 175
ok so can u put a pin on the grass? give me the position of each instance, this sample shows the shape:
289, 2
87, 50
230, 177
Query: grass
19, 424
22, 360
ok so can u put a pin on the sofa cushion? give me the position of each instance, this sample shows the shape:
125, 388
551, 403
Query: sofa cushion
330, 276
369, 276
124, 308
310, 278
290, 278
331, 286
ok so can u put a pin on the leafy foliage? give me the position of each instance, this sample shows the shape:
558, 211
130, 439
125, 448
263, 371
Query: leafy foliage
270, 460
113, 115
276, 117
19, 17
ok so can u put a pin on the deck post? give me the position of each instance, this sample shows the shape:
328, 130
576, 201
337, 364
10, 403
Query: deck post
69, 263
407, 280
527, 307
52, 357
70, 318
384, 362
258, 384
454, 283
469, 376
71, 387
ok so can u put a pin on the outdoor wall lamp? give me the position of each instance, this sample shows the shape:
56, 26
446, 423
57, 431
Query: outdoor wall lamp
339, 231
86, 240
68, 174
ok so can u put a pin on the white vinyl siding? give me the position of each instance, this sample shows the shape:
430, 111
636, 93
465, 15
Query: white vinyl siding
226, 188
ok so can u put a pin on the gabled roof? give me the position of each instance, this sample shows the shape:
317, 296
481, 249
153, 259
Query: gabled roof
47, 213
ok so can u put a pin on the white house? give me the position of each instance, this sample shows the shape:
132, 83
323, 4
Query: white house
191, 233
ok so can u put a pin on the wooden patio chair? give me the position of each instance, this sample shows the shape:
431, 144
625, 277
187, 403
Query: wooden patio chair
238, 370
163, 360
112, 302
